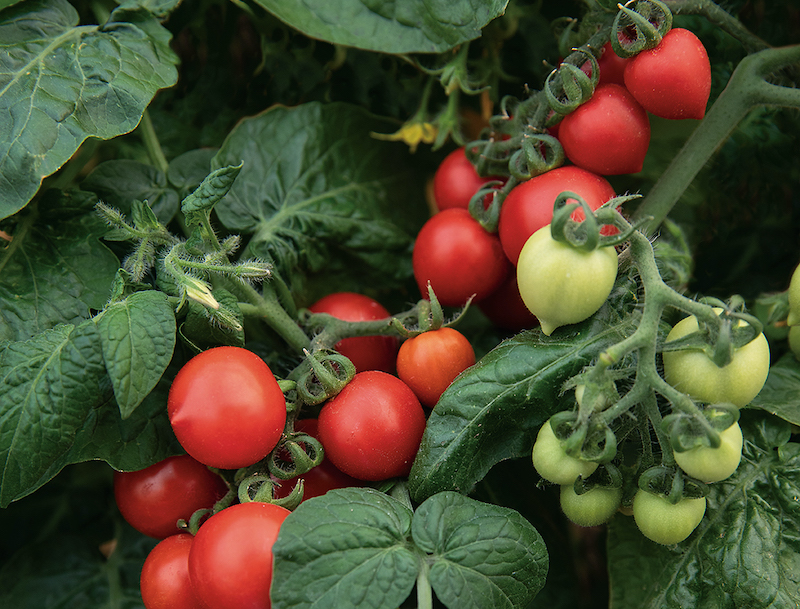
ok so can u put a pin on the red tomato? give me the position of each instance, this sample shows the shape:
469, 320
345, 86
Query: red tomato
612, 66
230, 563
153, 499
456, 180
529, 205
321, 479
430, 361
458, 257
506, 309
366, 352
609, 134
372, 429
164, 581
226, 408
673, 79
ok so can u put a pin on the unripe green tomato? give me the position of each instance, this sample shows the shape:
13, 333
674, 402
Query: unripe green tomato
794, 298
592, 508
693, 372
794, 340
664, 522
553, 463
713, 464
563, 285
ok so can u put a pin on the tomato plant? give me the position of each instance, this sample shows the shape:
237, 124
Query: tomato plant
165, 582
230, 561
456, 181
226, 408
366, 352
372, 428
430, 361
153, 499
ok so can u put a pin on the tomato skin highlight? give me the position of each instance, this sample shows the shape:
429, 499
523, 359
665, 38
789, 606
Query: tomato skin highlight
230, 563
226, 408
456, 181
609, 134
529, 206
164, 581
366, 352
459, 258
673, 79
664, 522
430, 361
152, 500
372, 429
714, 464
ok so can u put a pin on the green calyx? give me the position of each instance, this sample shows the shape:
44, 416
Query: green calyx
639, 25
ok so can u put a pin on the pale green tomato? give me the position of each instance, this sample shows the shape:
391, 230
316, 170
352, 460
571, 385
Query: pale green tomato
713, 464
794, 298
563, 285
664, 522
592, 508
555, 465
692, 371
794, 340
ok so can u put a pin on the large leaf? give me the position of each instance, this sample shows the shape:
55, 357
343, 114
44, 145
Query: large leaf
781, 393
56, 270
61, 83
387, 26
520, 380
49, 384
746, 552
317, 193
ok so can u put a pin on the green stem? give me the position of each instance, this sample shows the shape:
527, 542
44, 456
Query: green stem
265, 305
746, 90
719, 17
424, 591
154, 151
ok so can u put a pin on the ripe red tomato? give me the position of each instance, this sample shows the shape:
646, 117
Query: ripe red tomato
612, 66
529, 206
366, 352
609, 134
430, 361
456, 180
165, 582
153, 499
226, 408
673, 79
372, 429
321, 479
458, 257
505, 308
230, 563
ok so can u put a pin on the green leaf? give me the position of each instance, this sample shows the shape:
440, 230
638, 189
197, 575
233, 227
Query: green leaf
202, 329
118, 183
61, 83
56, 270
746, 552
138, 339
520, 380
48, 384
347, 548
317, 193
187, 171
211, 190
386, 26
484, 555
781, 393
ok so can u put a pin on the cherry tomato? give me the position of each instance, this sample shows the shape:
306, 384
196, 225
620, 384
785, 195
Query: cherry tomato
456, 181
673, 79
694, 373
563, 285
230, 563
430, 361
664, 522
609, 134
372, 429
552, 462
592, 508
505, 309
226, 408
459, 258
793, 294
714, 464
321, 479
529, 206
612, 66
165, 582
366, 352
153, 499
